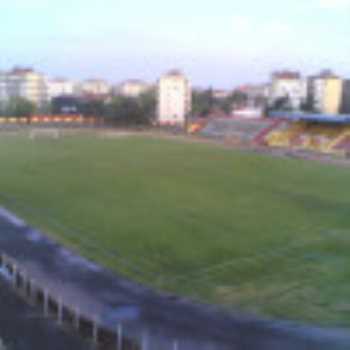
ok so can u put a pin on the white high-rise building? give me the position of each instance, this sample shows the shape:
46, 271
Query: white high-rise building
25, 83
132, 88
95, 87
3, 87
326, 92
60, 87
289, 85
174, 99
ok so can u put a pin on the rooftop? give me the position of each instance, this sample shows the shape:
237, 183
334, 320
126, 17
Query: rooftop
286, 74
134, 81
21, 70
175, 73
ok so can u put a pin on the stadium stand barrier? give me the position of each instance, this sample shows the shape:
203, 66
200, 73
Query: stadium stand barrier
47, 121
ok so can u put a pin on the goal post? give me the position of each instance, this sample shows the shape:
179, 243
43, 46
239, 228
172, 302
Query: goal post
44, 134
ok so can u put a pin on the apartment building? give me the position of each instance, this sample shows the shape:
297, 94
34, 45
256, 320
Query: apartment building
25, 83
257, 95
174, 98
60, 87
133, 88
221, 94
3, 87
325, 92
289, 85
94, 87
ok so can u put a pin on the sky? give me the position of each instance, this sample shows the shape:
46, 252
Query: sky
221, 43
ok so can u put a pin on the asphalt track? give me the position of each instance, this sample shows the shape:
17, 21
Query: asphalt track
158, 322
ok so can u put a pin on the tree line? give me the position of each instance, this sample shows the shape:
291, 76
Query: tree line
204, 102
17, 107
116, 109
126, 110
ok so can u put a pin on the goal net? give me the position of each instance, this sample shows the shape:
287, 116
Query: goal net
44, 134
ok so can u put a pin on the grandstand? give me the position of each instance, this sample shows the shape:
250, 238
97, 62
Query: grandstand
244, 131
305, 132
319, 133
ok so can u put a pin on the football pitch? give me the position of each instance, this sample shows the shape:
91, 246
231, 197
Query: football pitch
265, 235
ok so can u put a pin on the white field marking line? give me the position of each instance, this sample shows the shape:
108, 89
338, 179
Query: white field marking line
209, 274
207, 279
300, 285
230, 262
78, 234
310, 273
292, 268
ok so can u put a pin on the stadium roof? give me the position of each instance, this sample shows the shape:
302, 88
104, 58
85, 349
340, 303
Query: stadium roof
317, 118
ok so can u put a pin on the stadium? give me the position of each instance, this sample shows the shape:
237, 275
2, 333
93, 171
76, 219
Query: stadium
230, 226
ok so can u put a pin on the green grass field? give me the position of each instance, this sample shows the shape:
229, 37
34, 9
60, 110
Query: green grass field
265, 235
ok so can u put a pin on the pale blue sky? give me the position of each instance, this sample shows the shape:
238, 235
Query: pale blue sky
221, 43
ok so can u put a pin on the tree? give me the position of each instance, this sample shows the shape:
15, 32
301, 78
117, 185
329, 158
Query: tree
282, 104
203, 102
226, 105
2, 109
238, 99
148, 105
19, 107
260, 101
124, 110
46, 108
309, 104
93, 108
132, 110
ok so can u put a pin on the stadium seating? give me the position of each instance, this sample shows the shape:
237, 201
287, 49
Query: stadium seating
325, 138
342, 142
197, 125
284, 135
242, 130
